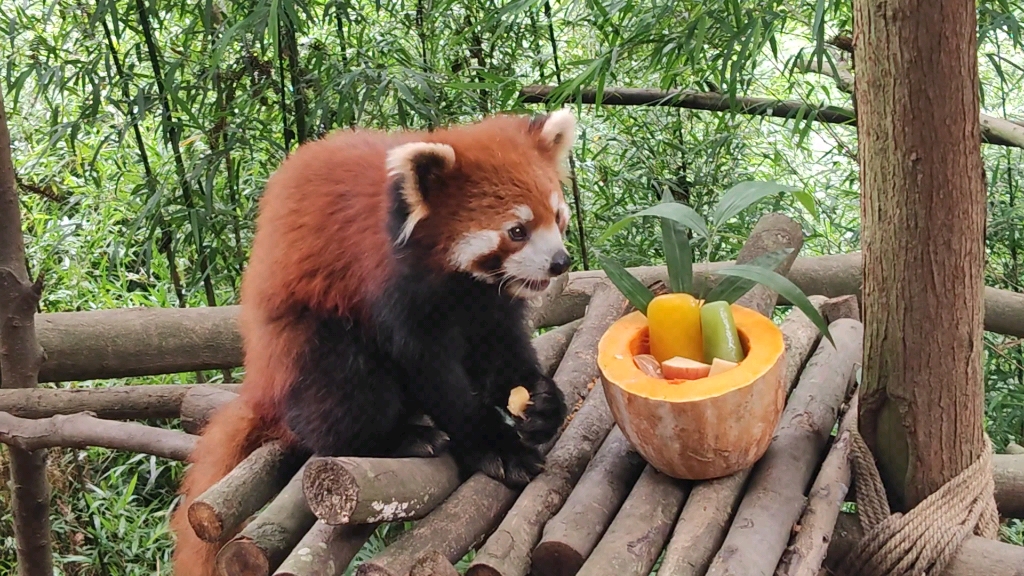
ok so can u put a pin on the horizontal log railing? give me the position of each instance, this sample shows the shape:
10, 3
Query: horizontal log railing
131, 342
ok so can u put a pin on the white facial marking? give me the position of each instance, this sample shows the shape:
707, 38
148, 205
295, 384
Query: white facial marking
523, 212
556, 199
534, 260
472, 246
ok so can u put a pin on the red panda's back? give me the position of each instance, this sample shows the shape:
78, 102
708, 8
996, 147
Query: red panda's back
321, 236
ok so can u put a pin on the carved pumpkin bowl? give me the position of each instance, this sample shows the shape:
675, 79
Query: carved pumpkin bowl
697, 429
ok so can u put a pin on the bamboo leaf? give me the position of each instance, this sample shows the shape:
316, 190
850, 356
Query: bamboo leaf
742, 195
678, 257
783, 286
634, 290
807, 200
732, 288
676, 211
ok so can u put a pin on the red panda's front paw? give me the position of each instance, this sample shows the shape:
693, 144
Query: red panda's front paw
515, 468
544, 414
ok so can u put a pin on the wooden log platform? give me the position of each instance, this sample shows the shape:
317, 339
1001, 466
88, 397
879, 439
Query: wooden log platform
598, 508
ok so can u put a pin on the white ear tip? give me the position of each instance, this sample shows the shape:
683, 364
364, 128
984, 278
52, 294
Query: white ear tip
560, 128
400, 158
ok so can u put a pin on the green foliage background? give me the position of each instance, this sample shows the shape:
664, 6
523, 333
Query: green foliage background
144, 131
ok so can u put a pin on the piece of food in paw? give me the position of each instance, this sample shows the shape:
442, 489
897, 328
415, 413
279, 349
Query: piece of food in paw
518, 400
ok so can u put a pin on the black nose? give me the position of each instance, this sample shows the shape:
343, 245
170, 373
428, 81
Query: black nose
560, 263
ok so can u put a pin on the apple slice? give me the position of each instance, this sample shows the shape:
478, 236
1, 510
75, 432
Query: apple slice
719, 365
681, 368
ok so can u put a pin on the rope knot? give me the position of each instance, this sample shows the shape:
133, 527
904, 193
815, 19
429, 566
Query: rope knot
925, 539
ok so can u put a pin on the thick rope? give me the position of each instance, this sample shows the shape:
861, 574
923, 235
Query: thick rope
925, 539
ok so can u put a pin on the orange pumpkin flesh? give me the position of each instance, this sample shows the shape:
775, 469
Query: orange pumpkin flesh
704, 428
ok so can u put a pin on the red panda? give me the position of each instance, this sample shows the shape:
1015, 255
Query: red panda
382, 308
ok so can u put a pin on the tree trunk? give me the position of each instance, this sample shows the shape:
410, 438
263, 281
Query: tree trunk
923, 221
20, 359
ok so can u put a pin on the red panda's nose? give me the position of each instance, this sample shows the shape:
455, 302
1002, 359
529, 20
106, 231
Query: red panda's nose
560, 263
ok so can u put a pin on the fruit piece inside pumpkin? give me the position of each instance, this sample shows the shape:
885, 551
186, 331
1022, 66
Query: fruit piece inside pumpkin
718, 328
718, 366
679, 368
675, 327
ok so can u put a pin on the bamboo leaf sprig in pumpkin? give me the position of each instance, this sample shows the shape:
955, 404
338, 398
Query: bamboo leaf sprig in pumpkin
676, 218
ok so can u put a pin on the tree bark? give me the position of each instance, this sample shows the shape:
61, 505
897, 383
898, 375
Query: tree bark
325, 550
923, 221
994, 132
774, 497
706, 515
113, 403
371, 490
571, 534
82, 430
20, 359
243, 491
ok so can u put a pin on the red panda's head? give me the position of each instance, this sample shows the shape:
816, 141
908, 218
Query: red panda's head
486, 199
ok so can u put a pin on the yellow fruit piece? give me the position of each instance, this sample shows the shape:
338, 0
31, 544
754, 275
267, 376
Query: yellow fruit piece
675, 328
518, 400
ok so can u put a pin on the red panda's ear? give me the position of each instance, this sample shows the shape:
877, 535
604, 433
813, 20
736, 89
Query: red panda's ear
556, 131
421, 166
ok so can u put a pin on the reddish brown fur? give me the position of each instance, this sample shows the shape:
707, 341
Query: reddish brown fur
322, 245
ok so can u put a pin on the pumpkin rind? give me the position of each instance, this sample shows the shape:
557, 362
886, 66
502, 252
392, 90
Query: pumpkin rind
697, 429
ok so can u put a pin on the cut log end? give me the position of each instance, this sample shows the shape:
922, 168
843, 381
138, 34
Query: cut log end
242, 557
205, 521
332, 493
553, 558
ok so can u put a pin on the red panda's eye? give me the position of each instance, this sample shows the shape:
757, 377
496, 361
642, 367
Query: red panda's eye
517, 233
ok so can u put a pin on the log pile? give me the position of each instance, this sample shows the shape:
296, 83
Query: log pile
598, 508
